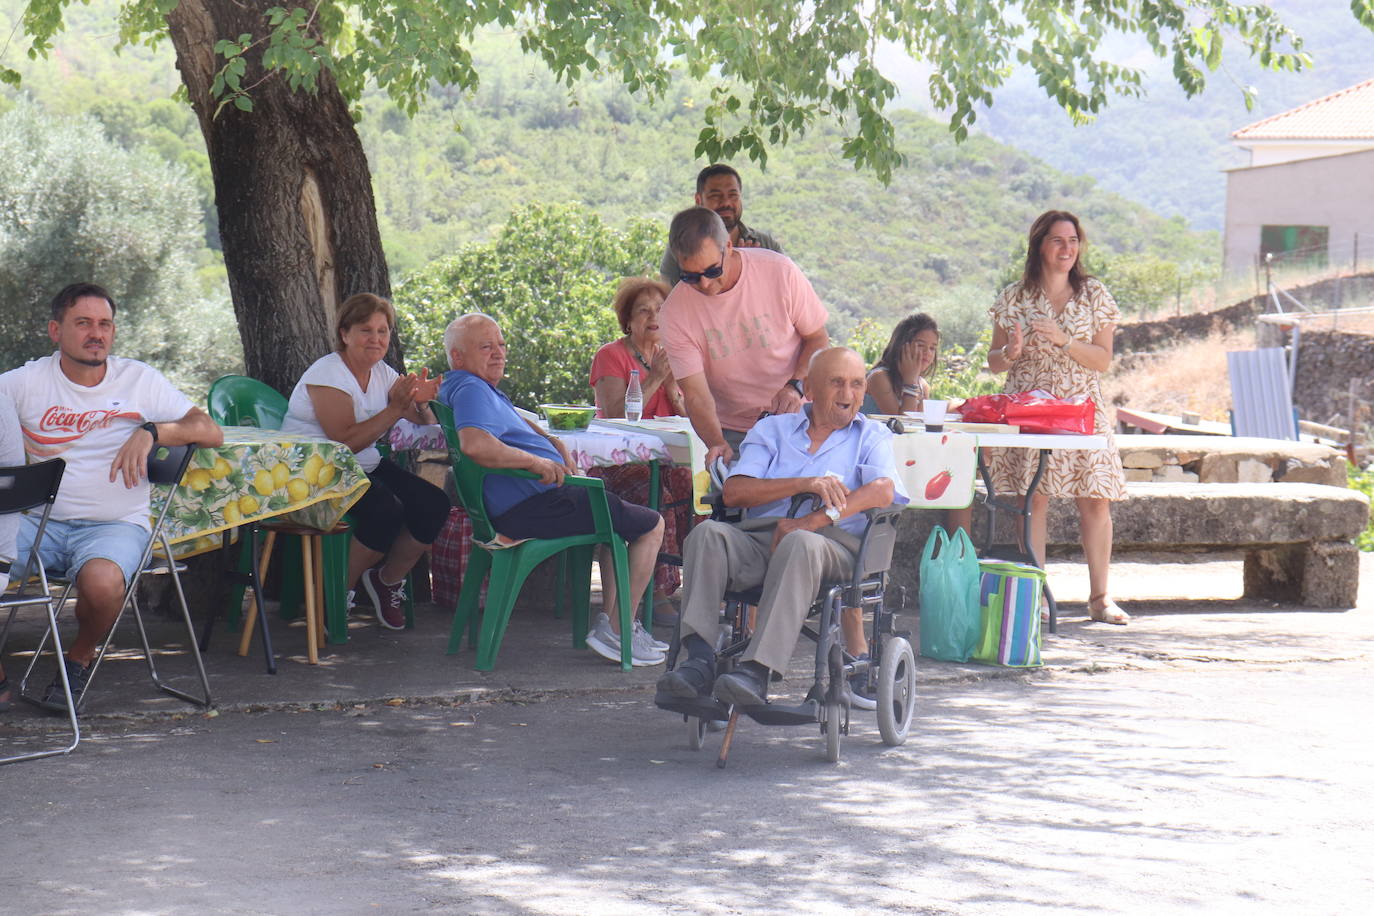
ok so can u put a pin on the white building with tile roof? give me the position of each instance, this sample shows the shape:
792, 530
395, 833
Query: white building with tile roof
1308, 191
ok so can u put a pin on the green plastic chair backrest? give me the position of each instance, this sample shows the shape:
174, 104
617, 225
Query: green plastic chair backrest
237, 400
468, 475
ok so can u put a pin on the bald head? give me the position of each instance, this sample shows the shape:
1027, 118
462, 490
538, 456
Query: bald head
835, 381
826, 360
474, 343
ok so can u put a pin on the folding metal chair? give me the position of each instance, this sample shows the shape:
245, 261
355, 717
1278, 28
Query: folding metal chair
21, 490
166, 467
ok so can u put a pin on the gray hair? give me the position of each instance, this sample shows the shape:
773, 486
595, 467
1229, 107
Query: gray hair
458, 328
691, 228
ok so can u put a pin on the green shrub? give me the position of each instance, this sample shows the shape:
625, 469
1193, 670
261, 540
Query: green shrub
1362, 479
869, 338
548, 280
75, 206
961, 373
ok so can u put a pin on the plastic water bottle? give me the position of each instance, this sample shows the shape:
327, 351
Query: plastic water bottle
634, 398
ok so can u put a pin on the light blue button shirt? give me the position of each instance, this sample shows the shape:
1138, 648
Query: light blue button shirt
779, 446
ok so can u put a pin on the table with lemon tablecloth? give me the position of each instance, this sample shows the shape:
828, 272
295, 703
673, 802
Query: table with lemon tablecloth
260, 474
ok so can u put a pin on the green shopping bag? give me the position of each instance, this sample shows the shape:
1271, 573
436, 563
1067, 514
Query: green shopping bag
1009, 595
949, 596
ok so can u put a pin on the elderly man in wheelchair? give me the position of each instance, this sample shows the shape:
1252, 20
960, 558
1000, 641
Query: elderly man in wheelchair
781, 560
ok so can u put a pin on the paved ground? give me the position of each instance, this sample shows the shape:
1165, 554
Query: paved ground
1211, 756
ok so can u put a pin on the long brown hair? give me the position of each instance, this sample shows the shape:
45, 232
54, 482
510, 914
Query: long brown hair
906, 330
1030, 275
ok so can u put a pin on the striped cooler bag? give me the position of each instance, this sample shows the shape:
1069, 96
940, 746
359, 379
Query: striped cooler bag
1010, 598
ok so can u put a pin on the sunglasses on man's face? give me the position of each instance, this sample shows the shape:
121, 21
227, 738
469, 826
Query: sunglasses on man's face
710, 273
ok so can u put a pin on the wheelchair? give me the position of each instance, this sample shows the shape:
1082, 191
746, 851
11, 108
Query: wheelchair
891, 667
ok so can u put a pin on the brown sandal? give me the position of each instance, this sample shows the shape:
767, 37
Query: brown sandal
1108, 612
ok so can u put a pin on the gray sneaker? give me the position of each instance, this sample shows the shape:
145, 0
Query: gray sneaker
605, 642
644, 637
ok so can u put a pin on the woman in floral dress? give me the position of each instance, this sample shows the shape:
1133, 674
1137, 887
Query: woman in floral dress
1053, 330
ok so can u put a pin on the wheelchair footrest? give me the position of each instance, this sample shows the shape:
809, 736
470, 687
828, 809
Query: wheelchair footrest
708, 708
808, 713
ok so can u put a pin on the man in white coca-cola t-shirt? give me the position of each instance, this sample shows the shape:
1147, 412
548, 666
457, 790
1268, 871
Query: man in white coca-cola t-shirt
101, 414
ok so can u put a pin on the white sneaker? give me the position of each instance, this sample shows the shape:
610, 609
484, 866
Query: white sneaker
641, 634
606, 642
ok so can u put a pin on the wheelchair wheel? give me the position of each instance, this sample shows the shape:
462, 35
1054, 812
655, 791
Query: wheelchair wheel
896, 691
833, 713
696, 732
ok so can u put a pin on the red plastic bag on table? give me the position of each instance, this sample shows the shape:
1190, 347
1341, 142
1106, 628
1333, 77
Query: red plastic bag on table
985, 408
1042, 412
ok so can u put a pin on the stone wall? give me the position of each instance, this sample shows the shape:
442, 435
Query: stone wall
1228, 459
1146, 336
1328, 361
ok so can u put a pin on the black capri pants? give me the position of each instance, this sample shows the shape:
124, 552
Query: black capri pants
397, 499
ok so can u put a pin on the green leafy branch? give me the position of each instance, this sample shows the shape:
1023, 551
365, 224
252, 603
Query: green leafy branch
290, 47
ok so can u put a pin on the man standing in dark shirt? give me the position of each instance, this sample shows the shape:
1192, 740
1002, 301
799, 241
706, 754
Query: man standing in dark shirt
719, 188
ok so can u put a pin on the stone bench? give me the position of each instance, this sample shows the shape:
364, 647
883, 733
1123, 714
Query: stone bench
1297, 537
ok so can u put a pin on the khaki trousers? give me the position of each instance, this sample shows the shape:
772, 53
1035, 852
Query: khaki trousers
719, 557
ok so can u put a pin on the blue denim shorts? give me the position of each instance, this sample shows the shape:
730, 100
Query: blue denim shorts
67, 545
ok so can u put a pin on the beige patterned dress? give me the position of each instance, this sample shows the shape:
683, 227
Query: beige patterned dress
1047, 367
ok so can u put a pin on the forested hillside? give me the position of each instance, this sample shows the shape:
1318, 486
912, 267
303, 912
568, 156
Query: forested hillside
944, 235
944, 232
1168, 151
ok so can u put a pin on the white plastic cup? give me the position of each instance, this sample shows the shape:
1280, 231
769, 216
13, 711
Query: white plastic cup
933, 414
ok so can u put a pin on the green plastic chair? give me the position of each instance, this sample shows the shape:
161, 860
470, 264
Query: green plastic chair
237, 400
508, 567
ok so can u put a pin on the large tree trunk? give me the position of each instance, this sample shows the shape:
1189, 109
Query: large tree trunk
293, 191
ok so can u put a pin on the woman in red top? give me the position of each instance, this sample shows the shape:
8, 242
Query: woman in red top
637, 303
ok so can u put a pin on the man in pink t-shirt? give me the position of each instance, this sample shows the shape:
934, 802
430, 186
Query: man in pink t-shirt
740, 328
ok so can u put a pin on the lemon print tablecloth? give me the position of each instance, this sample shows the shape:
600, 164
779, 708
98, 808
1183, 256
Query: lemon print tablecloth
259, 474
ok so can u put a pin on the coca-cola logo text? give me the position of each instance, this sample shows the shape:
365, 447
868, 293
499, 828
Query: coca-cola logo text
68, 420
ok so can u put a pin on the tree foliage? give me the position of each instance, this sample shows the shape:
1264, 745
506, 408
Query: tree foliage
75, 206
548, 280
777, 68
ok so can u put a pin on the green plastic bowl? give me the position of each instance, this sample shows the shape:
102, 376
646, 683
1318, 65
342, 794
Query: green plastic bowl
568, 417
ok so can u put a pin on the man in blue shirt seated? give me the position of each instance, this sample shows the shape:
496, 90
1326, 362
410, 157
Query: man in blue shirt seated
828, 449
492, 434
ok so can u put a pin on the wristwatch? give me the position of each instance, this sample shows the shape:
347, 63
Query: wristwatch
832, 513
151, 427
796, 386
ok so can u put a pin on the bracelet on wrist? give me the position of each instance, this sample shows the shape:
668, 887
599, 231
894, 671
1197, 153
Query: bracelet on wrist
911, 390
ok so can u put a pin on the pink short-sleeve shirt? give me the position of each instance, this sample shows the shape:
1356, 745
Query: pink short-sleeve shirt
746, 341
